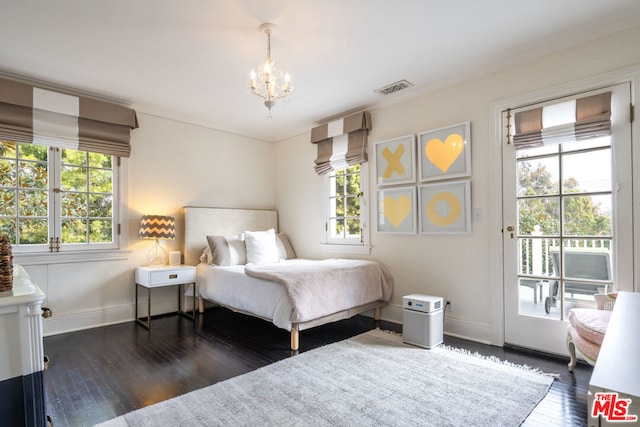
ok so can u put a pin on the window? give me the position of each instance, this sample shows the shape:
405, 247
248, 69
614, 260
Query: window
57, 199
346, 206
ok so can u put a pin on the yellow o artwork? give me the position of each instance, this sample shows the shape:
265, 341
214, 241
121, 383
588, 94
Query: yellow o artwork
397, 210
452, 203
443, 154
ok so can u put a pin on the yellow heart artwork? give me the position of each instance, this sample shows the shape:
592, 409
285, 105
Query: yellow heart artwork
443, 154
396, 210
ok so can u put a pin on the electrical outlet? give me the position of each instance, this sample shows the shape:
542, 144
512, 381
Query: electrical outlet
447, 306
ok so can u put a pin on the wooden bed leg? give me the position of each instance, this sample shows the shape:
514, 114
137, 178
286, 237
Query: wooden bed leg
200, 305
376, 313
295, 337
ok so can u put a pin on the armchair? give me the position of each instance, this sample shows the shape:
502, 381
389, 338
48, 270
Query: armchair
586, 329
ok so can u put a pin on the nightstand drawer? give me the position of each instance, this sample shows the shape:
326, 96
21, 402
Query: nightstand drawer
165, 276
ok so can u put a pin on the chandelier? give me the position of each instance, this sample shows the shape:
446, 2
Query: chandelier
270, 83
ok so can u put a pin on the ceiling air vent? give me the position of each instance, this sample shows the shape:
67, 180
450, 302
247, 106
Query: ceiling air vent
394, 87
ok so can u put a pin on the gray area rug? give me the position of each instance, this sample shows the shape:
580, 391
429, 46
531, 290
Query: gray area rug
373, 379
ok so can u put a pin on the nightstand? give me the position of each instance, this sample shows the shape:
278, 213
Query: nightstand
165, 275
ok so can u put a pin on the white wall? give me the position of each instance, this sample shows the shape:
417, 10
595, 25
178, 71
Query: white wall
455, 267
172, 165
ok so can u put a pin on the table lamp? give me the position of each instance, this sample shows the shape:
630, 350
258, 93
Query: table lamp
157, 227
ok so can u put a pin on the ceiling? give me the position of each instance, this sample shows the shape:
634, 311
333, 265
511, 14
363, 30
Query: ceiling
190, 60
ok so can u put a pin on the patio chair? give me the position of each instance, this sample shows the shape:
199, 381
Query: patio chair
580, 263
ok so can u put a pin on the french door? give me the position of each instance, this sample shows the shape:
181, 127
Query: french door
567, 223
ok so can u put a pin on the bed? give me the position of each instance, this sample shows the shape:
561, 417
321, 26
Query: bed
234, 270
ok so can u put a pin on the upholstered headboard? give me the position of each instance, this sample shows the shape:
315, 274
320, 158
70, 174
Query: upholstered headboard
200, 222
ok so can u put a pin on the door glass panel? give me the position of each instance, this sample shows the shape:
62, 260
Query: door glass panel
587, 172
539, 216
564, 228
538, 177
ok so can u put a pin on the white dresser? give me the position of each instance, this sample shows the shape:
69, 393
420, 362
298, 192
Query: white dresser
22, 353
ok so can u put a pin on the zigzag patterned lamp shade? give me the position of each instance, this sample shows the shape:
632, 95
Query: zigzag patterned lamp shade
157, 227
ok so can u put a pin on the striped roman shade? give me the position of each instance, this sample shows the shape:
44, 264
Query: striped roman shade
565, 121
342, 142
40, 116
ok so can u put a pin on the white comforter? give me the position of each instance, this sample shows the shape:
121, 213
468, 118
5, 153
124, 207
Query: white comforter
232, 288
327, 286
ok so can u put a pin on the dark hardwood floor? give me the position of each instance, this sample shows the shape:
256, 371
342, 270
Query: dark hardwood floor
98, 374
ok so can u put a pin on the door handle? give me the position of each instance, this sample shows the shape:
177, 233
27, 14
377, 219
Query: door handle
510, 229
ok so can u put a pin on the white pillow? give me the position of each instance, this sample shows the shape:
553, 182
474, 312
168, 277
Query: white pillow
261, 247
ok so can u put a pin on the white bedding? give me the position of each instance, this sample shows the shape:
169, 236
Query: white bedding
229, 286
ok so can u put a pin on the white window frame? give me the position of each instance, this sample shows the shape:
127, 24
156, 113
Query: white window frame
344, 245
40, 253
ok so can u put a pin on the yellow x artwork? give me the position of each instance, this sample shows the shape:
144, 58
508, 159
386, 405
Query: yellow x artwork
394, 161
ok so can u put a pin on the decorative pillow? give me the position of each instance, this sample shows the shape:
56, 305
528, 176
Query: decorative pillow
227, 250
285, 250
261, 247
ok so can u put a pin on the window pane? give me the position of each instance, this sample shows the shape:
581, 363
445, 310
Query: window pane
587, 215
74, 205
100, 181
33, 231
339, 185
536, 151
538, 177
587, 172
8, 202
353, 206
74, 231
100, 206
97, 160
603, 141
353, 228
33, 152
100, 231
339, 207
535, 256
7, 173
8, 227
34, 203
8, 149
73, 178
336, 228
33, 175
587, 263
74, 157
542, 212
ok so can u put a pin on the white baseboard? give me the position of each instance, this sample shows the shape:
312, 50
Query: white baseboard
70, 321
453, 326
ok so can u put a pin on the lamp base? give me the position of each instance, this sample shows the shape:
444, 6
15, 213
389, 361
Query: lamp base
157, 255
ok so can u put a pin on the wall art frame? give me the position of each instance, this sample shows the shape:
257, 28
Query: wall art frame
396, 210
395, 161
445, 153
445, 207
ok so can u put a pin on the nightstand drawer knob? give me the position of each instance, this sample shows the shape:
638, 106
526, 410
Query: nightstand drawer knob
173, 276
